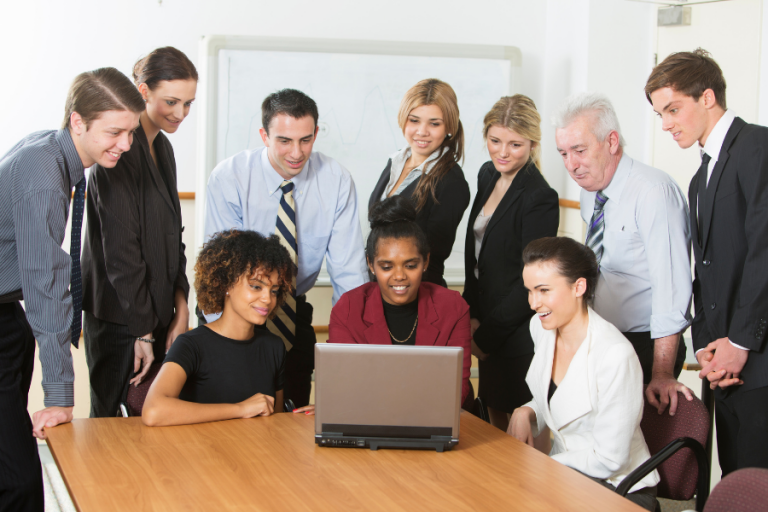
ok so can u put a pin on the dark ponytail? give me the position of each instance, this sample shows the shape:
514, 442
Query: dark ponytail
166, 63
395, 217
572, 260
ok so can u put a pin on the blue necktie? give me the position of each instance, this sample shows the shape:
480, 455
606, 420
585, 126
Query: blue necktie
284, 322
76, 282
597, 226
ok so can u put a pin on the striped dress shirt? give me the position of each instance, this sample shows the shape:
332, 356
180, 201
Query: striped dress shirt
36, 180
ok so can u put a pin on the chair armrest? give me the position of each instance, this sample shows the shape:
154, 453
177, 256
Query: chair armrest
702, 487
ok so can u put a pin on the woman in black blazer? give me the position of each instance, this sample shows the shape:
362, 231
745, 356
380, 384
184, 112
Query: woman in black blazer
427, 170
135, 287
514, 206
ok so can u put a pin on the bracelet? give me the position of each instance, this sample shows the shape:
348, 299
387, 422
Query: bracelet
146, 340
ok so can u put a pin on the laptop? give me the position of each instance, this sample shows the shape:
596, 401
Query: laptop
387, 396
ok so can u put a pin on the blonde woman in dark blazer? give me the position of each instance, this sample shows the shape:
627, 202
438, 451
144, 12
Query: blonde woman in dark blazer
514, 206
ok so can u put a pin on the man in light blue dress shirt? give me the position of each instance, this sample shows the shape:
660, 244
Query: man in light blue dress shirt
640, 233
244, 192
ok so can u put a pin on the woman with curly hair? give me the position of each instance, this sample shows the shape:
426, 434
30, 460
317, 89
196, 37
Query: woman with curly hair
227, 369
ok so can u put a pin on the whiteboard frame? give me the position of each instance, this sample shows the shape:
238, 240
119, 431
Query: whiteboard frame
208, 90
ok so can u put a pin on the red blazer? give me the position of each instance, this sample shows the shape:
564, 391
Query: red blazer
358, 317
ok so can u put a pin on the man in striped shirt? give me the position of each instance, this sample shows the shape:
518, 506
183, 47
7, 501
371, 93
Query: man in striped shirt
37, 177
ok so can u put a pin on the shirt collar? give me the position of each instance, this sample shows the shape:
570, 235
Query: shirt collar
616, 186
72, 160
399, 158
274, 180
717, 135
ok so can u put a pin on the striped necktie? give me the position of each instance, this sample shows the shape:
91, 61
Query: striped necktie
284, 322
76, 279
597, 227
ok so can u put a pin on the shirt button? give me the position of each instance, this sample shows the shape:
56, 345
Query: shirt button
706, 263
713, 306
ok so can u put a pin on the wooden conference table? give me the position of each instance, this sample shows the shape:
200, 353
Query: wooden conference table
273, 463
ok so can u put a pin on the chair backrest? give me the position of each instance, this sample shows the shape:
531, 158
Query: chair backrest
744, 490
679, 473
137, 394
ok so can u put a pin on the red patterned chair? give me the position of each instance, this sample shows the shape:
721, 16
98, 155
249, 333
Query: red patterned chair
744, 490
677, 451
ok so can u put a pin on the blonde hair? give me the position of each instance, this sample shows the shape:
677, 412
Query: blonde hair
435, 92
517, 113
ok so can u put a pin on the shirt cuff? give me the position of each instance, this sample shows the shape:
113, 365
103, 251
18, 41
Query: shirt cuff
737, 346
667, 324
59, 394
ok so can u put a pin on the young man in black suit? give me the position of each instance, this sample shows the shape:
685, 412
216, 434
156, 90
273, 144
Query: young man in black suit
728, 200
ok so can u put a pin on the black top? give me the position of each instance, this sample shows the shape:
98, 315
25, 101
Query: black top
552, 389
528, 211
133, 257
221, 370
401, 321
439, 220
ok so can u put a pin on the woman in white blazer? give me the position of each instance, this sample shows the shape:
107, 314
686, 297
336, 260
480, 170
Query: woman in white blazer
585, 378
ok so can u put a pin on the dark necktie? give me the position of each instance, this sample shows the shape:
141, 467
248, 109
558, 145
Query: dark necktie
76, 281
597, 226
703, 175
284, 322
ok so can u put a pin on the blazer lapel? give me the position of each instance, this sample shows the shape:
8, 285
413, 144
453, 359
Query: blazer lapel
380, 186
153, 170
572, 398
513, 193
426, 332
709, 203
377, 332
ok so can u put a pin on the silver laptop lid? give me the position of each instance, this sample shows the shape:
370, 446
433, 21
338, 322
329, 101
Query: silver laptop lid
390, 385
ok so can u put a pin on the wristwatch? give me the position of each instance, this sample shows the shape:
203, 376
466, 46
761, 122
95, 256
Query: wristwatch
146, 340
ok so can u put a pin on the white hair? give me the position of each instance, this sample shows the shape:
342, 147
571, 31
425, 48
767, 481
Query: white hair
604, 119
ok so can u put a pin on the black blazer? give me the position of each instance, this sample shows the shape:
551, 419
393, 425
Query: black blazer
133, 258
528, 211
730, 288
439, 220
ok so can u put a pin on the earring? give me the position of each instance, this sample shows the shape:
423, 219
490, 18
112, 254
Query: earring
449, 135
227, 293
145, 100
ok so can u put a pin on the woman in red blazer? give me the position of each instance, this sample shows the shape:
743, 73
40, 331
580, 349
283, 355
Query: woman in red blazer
399, 308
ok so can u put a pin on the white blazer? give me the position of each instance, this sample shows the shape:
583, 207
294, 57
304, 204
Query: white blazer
596, 410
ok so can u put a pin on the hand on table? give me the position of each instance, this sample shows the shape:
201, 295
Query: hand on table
520, 425
662, 391
722, 368
143, 357
257, 405
49, 417
307, 409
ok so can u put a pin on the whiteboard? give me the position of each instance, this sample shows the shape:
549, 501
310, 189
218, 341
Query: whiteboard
358, 86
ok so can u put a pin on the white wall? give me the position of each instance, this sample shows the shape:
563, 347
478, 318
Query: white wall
562, 43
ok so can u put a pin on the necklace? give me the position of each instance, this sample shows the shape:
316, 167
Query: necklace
409, 336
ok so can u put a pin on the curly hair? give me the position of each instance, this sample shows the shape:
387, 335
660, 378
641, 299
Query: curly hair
229, 255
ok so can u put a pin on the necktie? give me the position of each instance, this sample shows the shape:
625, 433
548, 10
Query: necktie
284, 322
76, 281
597, 226
703, 174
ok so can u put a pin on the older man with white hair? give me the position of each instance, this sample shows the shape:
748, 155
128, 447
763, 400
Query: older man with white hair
637, 225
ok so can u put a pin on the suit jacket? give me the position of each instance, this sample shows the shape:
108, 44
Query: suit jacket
133, 257
358, 317
596, 410
439, 220
528, 211
729, 230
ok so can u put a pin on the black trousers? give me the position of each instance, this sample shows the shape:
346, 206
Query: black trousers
300, 362
644, 345
21, 475
742, 429
109, 353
